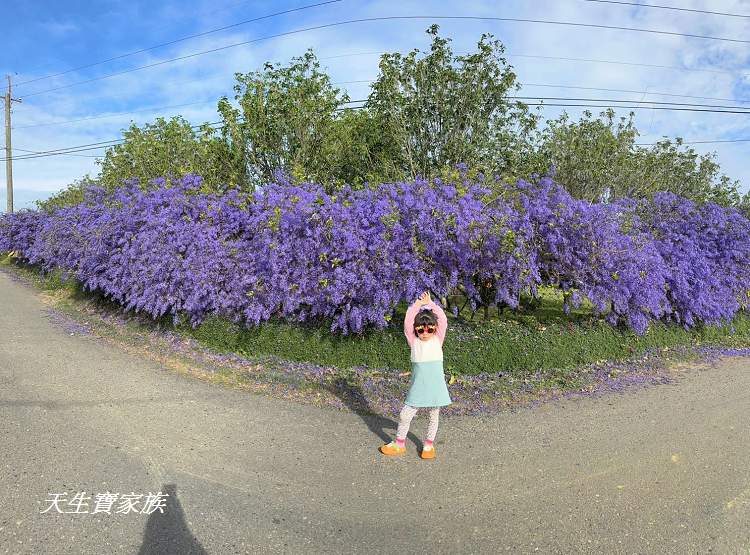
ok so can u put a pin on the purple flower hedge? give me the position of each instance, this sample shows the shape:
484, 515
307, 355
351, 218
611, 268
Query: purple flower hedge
292, 251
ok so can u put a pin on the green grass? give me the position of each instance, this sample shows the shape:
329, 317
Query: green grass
52, 281
546, 340
516, 343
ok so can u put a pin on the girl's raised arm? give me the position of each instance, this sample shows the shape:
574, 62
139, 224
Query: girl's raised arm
442, 320
411, 313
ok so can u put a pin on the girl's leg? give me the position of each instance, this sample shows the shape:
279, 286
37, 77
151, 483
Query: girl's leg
432, 427
407, 413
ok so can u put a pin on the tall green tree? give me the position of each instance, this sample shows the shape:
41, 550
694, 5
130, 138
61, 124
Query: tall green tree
440, 109
592, 156
598, 159
671, 166
284, 119
170, 147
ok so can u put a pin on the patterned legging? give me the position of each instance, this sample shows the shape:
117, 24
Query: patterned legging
407, 413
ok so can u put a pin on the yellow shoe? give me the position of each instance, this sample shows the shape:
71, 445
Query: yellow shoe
392, 449
428, 453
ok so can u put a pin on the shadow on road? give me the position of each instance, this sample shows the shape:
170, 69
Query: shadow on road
167, 533
355, 401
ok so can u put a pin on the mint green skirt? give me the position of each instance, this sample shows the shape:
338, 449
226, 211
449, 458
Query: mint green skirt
428, 388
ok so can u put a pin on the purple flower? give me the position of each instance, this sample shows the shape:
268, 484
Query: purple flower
294, 252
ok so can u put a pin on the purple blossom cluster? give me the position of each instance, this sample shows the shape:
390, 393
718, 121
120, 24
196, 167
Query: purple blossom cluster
703, 252
295, 252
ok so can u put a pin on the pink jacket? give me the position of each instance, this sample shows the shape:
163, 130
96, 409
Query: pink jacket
411, 314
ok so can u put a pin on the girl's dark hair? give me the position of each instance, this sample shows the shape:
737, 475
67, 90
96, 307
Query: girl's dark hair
425, 318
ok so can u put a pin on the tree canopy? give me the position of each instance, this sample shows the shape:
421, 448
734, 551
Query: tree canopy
426, 113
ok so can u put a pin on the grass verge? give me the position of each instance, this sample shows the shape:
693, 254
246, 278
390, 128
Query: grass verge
514, 344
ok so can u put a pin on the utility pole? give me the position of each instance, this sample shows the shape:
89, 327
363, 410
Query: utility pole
8, 150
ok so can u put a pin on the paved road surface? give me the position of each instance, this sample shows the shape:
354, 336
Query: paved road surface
658, 470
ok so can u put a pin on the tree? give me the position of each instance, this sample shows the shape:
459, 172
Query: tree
285, 120
669, 166
744, 205
70, 196
597, 159
362, 151
441, 110
170, 147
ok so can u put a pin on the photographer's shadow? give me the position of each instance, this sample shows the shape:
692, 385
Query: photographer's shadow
355, 401
167, 533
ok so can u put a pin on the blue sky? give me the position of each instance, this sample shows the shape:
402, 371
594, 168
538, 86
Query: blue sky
45, 37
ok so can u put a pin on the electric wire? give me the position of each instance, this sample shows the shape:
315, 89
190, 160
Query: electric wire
639, 107
580, 103
118, 114
37, 152
182, 39
675, 8
610, 100
657, 93
742, 109
638, 64
90, 146
105, 116
546, 85
615, 62
713, 141
393, 18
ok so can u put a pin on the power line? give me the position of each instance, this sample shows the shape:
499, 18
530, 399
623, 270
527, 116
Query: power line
639, 107
659, 106
509, 97
613, 103
37, 152
571, 102
69, 152
693, 106
634, 4
657, 93
616, 62
101, 144
203, 77
90, 146
146, 110
687, 104
153, 109
572, 59
65, 152
121, 56
703, 142
559, 86
392, 18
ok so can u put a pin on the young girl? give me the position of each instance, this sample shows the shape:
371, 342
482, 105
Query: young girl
424, 326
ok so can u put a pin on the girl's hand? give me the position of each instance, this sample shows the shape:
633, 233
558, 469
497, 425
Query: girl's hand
424, 298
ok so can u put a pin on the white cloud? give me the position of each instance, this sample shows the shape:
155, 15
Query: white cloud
59, 28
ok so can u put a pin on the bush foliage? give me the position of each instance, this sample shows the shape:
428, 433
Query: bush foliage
298, 253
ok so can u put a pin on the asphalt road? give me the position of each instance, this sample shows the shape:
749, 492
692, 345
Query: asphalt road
657, 470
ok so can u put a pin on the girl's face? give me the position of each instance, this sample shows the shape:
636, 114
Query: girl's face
425, 332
